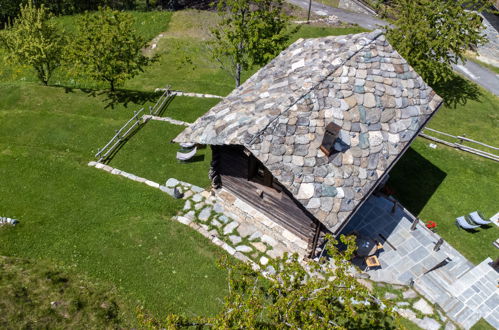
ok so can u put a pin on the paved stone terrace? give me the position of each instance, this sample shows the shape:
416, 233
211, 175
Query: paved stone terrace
466, 293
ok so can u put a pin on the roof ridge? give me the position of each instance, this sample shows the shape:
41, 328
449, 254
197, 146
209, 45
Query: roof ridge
374, 36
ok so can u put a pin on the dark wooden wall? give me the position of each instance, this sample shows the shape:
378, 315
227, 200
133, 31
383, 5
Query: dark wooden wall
280, 207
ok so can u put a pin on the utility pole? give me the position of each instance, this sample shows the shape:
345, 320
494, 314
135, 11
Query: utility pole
309, 8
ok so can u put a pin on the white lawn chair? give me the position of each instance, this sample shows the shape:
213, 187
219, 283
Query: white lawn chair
187, 145
183, 157
476, 218
461, 222
8, 221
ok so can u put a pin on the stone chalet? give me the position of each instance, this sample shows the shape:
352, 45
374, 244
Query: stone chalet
309, 137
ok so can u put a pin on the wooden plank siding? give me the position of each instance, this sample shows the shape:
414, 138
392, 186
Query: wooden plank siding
280, 207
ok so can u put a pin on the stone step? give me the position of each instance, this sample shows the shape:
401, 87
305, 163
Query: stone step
461, 268
442, 278
467, 317
455, 310
494, 321
429, 287
449, 304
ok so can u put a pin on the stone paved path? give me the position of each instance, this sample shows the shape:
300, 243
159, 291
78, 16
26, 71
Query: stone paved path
465, 292
207, 215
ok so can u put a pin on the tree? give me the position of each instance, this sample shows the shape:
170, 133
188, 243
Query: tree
321, 297
107, 49
35, 40
433, 35
250, 32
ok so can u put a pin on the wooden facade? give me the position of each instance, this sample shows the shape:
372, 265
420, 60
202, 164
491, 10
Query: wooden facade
242, 174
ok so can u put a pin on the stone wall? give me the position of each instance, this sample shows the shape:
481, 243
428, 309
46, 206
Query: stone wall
281, 239
355, 6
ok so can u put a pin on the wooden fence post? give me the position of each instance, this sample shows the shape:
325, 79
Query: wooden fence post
394, 207
414, 224
438, 244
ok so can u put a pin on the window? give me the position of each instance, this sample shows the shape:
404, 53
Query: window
259, 174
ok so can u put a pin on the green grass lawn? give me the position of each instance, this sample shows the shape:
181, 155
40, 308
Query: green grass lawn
201, 75
37, 295
185, 63
477, 119
189, 109
482, 325
150, 154
146, 24
89, 221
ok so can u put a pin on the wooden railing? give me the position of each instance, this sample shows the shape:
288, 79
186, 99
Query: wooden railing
457, 142
130, 127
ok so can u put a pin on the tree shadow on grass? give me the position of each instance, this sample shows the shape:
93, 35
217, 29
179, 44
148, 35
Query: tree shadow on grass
125, 97
414, 180
457, 91
118, 97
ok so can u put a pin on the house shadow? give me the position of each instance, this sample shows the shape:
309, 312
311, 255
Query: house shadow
195, 159
414, 180
381, 219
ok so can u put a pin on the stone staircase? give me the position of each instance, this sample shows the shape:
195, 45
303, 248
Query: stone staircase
464, 292
442, 275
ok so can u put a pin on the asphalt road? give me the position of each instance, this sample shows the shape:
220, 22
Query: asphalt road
366, 21
482, 76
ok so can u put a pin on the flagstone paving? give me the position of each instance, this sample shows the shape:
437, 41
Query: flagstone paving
445, 277
204, 213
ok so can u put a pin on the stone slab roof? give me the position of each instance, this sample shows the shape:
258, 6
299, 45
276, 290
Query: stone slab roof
358, 82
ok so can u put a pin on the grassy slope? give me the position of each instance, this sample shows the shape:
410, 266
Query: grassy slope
478, 120
37, 295
186, 39
101, 225
97, 224
147, 25
150, 154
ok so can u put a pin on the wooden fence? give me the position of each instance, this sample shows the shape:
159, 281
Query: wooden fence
458, 143
103, 154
